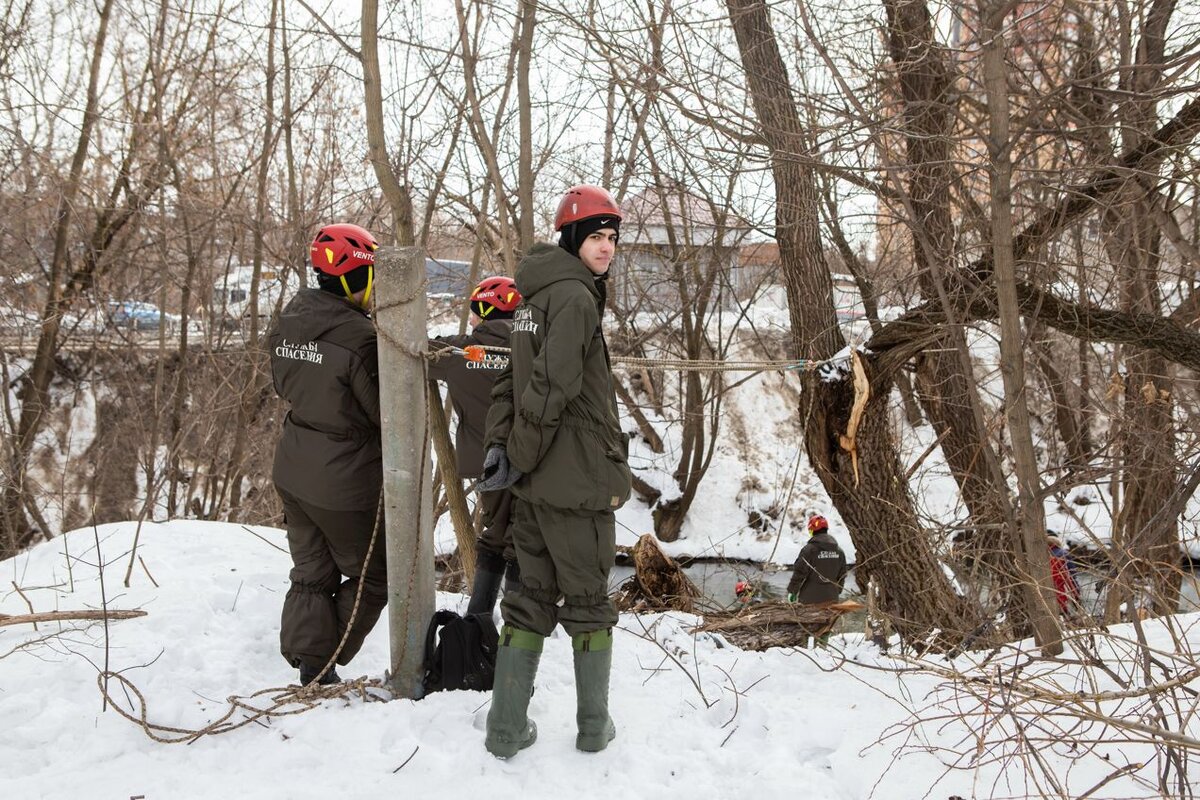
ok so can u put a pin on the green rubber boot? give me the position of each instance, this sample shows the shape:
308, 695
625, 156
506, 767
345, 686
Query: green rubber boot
509, 728
593, 663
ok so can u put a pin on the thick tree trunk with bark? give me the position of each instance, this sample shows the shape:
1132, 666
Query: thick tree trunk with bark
875, 503
944, 380
1150, 543
1145, 544
1147, 541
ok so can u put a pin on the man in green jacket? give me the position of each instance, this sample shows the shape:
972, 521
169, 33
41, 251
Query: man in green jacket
553, 436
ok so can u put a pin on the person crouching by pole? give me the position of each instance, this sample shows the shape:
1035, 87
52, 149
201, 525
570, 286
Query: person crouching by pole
553, 436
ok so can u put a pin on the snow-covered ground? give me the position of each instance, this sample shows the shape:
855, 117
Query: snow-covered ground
697, 717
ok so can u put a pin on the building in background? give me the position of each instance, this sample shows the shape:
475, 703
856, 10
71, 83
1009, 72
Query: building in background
673, 244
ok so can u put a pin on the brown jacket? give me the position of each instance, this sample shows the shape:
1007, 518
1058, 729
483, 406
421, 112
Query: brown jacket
325, 364
470, 386
819, 570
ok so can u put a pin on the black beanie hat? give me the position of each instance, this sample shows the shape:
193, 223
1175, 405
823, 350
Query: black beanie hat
573, 234
356, 279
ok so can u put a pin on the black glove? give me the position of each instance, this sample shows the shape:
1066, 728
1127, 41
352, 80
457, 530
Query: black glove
497, 472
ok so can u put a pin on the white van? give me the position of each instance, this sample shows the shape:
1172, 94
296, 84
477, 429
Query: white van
231, 293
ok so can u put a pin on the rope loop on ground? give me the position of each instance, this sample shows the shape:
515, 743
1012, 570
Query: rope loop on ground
286, 701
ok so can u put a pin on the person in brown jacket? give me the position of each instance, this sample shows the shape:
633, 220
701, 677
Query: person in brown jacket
329, 462
469, 375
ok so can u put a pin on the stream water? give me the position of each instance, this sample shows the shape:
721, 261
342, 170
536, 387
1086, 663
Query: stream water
716, 580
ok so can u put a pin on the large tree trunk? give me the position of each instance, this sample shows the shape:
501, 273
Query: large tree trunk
1145, 542
875, 503
944, 381
1148, 541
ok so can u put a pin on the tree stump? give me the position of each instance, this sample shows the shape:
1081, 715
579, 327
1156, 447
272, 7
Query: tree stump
658, 582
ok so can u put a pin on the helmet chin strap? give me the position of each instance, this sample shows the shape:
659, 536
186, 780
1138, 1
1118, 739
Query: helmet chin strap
370, 285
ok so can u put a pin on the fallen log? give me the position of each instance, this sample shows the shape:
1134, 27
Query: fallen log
60, 616
758, 626
658, 582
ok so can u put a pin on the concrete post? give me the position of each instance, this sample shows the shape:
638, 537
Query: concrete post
407, 468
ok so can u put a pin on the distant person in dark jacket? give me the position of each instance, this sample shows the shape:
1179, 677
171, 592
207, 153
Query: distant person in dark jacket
469, 375
554, 437
329, 463
820, 568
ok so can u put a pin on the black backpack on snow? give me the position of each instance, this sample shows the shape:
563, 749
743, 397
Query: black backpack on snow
463, 656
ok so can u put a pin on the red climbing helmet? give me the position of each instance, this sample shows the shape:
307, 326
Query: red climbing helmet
817, 523
497, 293
342, 247
583, 202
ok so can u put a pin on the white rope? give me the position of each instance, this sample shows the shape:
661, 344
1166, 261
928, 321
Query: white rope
677, 364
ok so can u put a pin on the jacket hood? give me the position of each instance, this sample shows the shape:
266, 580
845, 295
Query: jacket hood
313, 313
493, 332
546, 264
